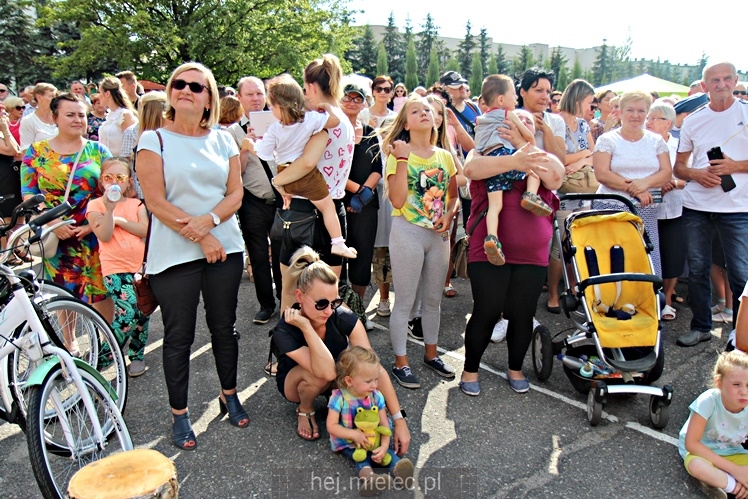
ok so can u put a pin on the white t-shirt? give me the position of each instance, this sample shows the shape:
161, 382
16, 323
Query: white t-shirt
335, 164
556, 123
703, 130
285, 143
672, 202
196, 170
110, 132
631, 160
34, 130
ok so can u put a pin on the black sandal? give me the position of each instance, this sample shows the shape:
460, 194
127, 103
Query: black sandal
182, 431
271, 368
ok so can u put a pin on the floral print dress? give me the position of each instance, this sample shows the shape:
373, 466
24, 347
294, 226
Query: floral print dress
76, 264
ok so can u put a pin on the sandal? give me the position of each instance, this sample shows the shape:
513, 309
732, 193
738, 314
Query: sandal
450, 291
237, 415
183, 436
492, 248
310, 418
676, 298
668, 313
271, 368
344, 251
535, 204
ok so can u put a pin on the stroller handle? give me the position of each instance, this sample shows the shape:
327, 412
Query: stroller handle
620, 276
599, 196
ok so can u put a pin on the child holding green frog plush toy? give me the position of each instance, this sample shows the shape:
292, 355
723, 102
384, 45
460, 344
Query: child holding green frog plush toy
358, 424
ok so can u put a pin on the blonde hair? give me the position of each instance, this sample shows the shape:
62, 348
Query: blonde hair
306, 268
129, 192
42, 88
442, 137
493, 86
396, 129
284, 93
635, 96
210, 115
114, 87
352, 361
726, 362
327, 73
151, 108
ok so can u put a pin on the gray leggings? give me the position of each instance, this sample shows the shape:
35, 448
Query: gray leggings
419, 263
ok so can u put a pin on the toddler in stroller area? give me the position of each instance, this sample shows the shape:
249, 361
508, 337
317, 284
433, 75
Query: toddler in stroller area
710, 440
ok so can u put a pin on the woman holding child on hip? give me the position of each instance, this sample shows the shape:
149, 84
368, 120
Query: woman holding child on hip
422, 186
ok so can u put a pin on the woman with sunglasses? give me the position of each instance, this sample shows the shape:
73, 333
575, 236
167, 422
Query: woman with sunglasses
15, 107
190, 176
381, 89
309, 339
401, 95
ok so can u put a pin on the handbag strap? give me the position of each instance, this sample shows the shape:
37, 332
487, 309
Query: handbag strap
150, 216
72, 171
478, 218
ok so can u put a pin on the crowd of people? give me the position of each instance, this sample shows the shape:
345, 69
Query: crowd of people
343, 180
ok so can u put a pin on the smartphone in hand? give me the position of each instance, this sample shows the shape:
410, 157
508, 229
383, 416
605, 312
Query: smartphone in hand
728, 183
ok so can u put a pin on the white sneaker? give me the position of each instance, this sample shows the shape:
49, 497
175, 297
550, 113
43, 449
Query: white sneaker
499, 331
369, 325
535, 323
383, 309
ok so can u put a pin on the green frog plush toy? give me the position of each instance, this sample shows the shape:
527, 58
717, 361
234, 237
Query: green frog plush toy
368, 422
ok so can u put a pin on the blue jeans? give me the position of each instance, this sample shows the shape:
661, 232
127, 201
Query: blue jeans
732, 229
348, 452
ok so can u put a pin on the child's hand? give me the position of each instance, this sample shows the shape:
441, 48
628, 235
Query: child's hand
740, 491
443, 223
361, 439
378, 454
324, 108
248, 144
399, 149
251, 134
741, 475
119, 221
286, 201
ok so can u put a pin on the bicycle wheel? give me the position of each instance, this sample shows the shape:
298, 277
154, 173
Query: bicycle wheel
96, 340
61, 434
49, 289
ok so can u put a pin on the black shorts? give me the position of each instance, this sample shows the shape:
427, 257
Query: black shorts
320, 241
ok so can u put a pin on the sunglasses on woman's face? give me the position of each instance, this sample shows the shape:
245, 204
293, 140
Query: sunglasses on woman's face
20, 108
324, 303
739, 92
195, 87
383, 90
120, 177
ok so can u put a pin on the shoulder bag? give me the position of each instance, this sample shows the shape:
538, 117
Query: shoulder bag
582, 181
462, 246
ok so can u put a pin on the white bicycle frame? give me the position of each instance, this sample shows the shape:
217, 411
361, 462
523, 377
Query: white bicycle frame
37, 345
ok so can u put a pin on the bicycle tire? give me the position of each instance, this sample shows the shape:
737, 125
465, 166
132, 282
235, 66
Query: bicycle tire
49, 289
54, 465
92, 332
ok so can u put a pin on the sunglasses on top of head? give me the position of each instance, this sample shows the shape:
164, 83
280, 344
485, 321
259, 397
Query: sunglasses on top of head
195, 87
324, 303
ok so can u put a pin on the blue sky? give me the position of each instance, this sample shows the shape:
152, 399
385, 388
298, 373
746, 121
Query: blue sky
679, 35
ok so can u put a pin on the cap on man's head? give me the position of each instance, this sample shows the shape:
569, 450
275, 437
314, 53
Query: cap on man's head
352, 88
691, 103
452, 79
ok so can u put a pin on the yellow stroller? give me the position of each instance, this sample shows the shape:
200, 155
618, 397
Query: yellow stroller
615, 307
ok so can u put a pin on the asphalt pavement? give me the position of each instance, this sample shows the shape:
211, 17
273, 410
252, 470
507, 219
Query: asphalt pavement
499, 444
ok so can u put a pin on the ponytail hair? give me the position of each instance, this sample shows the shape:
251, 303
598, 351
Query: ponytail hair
327, 73
306, 268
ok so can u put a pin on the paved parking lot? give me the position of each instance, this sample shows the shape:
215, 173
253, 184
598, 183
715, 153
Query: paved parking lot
499, 444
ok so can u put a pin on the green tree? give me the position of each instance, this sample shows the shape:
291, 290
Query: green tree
503, 65
432, 76
523, 61
395, 47
411, 66
697, 71
476, 75
485, 49
426, 38
363, 53
452, 64
161, 34
557, 61
493, 68
382, 68
562, 77
20, 46
576, 71
602, 68
408, 31
465, 52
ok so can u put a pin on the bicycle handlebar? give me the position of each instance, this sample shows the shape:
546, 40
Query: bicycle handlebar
49, 215
29, 205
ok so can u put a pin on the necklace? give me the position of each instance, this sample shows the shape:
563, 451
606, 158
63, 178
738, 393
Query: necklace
641, 135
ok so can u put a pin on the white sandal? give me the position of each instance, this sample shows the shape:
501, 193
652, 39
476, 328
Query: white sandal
668, 313
345, 251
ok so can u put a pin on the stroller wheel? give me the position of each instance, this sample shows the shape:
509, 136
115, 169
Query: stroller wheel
595, 405
542, 352
659, 412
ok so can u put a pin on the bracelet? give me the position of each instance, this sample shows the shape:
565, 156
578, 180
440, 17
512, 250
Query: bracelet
402, 159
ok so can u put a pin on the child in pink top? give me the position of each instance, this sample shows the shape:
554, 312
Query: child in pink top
120, 227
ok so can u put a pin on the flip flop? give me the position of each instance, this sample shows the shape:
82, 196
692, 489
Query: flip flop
677, 298
450, 291
308, 416
668, 313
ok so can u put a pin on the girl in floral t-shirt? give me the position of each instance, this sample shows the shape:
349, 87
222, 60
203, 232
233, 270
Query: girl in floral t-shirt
711, 440
421, 184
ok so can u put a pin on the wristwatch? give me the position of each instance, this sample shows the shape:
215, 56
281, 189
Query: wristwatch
399, 415
216, 219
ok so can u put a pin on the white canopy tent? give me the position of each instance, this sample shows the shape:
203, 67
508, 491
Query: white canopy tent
645, 83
